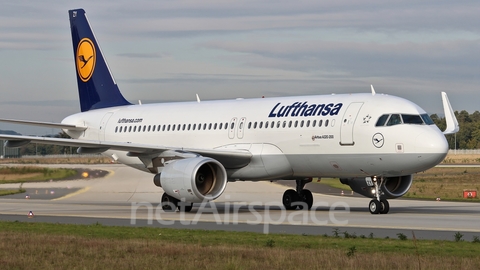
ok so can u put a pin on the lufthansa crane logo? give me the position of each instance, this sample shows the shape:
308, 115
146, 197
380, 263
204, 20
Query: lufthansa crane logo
85, 58
377, 140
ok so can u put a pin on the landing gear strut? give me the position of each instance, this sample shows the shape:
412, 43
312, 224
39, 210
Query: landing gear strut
170, 204
301, 198
378, 205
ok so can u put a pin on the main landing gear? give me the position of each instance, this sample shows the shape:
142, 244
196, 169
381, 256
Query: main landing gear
378, 205
170, 204
300, 198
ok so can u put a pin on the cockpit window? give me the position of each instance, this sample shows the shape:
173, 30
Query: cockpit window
394, 120
427, 119
381, 121
412, 119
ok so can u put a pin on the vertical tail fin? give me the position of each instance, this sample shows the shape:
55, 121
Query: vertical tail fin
96, 86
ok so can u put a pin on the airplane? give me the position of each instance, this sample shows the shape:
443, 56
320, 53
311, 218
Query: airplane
372, 142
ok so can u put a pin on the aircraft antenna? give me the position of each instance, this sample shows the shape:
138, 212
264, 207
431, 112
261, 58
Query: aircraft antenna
373, 90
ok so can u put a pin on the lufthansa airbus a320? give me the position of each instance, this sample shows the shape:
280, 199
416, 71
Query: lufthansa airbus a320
372, 142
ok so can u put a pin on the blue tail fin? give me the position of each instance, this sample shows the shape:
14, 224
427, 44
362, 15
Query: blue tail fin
96, 86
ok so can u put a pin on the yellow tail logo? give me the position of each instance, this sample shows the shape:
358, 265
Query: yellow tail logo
85, 59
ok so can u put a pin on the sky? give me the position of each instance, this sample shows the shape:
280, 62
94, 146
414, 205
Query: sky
161, 51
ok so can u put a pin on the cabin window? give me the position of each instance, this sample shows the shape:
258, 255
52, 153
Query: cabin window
290, 124
308, 123
284, 124
326, 123
232, 125
120, 130
255, 125
220, 126
320, 122
266, 124
249, 125
260, 125
314, 123
301, 123
226, 125
116, 129
215, 126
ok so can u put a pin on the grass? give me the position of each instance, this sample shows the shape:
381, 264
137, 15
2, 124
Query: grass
4, 192
461, 159
32, 174
445, 183
49, 246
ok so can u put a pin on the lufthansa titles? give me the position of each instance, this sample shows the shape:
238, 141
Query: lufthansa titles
304, 109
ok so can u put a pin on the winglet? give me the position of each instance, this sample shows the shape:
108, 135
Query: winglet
373, 90
452, 123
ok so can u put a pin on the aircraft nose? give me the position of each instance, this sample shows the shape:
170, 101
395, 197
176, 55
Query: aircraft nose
433, 144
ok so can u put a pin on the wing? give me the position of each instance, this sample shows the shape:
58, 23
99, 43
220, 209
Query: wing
229, 158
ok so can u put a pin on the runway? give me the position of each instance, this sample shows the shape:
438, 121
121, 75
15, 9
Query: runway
127, 197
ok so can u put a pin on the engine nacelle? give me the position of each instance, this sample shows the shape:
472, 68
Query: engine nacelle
193, 179
392, 187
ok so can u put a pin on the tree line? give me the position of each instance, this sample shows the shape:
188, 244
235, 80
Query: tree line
469, 135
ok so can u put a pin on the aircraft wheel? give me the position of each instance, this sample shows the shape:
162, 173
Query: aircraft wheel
385, 206
307, 197
374, 206
169, 203
289, 197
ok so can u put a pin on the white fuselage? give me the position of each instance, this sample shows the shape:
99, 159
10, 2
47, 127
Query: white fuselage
289, 137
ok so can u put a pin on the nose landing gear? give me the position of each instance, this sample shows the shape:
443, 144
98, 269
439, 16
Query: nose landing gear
378, 205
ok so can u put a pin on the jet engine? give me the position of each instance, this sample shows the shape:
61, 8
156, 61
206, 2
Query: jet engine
392, 187
193, 179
